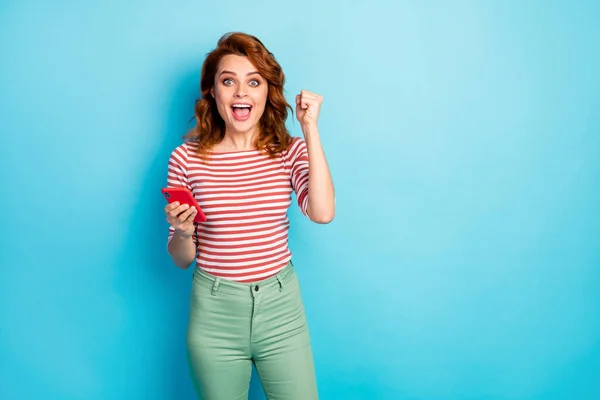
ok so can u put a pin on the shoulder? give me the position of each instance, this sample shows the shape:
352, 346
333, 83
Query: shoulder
297, 141
297, 147
184, 151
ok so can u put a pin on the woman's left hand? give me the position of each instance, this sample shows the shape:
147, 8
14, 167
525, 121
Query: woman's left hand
308, 106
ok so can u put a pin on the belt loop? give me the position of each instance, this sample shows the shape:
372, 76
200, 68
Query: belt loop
280, 282
215, 287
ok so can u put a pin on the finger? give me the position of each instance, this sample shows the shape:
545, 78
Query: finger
310, 95
178, 210
308, 103
312, 100
171, 206
192, 215
185, 215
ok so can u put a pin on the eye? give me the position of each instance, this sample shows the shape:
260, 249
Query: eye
254, 83
228, 82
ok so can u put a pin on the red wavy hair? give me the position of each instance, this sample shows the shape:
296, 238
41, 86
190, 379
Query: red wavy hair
273, 135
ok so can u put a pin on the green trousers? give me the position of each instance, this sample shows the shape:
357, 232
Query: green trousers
234, 325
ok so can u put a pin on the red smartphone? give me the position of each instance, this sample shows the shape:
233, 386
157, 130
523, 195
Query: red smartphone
183, 196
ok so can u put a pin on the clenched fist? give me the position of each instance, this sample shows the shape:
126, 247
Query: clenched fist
308, 106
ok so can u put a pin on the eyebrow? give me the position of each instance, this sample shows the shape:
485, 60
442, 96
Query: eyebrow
233, 73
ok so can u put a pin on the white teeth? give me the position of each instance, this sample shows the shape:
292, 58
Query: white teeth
241, 106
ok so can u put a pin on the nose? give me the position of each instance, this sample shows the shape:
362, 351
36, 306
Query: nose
240, 92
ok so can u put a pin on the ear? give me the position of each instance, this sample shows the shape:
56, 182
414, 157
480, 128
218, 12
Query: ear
212, 91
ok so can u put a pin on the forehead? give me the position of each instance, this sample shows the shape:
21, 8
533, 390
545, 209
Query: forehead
240, 65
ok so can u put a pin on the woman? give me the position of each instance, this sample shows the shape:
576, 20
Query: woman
242, 165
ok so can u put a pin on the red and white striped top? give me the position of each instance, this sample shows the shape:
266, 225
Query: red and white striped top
245, 196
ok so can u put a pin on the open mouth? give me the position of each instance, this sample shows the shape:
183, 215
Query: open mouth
241, 111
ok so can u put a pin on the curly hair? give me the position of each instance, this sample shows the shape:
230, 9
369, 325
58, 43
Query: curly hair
210, 128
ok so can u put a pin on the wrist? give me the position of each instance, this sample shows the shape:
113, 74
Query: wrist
310, 129
183, 235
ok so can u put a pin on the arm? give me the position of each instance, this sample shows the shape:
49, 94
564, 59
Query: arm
182, 248
181, 242
321, 193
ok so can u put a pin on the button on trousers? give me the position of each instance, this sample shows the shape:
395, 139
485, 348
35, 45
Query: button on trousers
233, 325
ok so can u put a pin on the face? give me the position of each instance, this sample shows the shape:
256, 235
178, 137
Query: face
240, 93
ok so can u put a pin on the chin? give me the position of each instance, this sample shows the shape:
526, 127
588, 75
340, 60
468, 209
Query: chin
242, 127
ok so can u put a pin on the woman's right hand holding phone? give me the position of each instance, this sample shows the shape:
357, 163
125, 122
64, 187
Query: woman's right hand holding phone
181, 218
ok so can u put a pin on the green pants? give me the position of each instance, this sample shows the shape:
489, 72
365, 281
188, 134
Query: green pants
234, 325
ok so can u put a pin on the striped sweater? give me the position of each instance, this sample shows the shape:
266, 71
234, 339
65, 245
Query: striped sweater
245, 196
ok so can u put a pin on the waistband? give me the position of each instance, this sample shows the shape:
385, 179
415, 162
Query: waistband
218, 284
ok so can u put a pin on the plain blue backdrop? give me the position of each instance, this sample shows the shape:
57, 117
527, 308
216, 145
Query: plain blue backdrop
464, 142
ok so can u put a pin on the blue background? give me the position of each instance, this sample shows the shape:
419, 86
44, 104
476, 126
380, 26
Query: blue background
464, 141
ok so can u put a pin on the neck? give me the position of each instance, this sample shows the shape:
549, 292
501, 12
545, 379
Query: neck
239, 141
